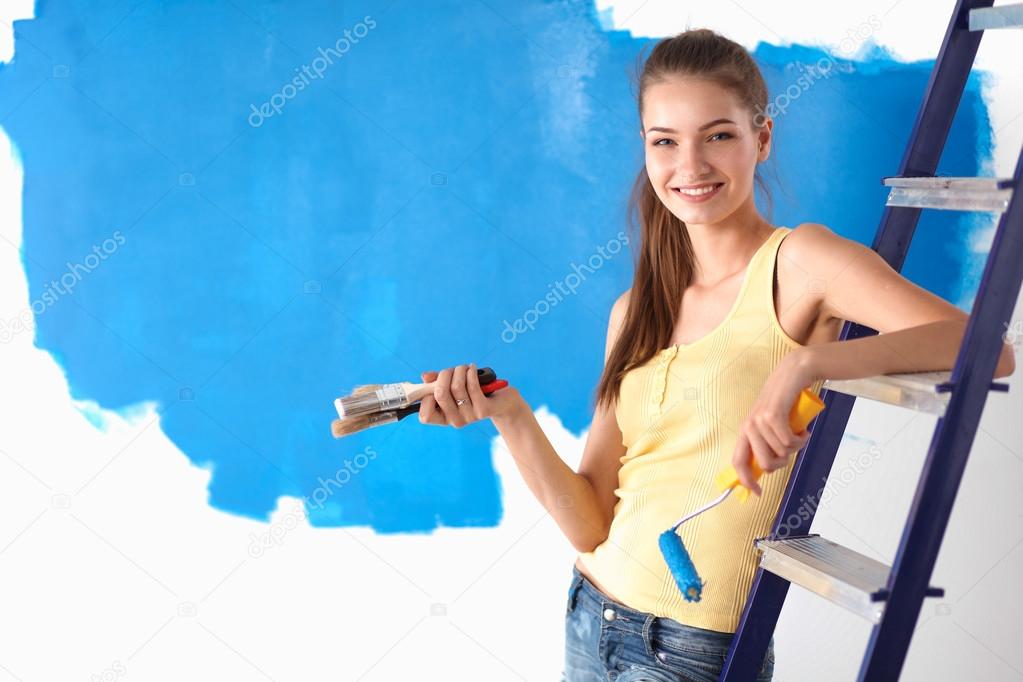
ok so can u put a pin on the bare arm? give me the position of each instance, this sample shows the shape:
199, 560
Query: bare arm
918, 331
581, 503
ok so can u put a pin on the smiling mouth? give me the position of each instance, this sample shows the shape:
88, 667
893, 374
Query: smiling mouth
700, 191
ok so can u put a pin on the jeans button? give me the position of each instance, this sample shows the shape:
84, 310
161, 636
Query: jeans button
609, 614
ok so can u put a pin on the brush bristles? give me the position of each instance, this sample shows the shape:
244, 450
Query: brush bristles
358, 390
349, 425
344, 427
387, 397
360, 403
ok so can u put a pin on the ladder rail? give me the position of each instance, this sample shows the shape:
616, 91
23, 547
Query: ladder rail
809, 475
950, 446
931, 128
795, 515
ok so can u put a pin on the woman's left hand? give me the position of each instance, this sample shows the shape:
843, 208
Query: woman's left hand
766, 431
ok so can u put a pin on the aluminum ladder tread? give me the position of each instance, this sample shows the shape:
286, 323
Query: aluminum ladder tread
1003, 16
837, 573
950, 193
920, 391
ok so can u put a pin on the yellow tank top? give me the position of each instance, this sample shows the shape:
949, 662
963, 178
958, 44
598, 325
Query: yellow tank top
679, 414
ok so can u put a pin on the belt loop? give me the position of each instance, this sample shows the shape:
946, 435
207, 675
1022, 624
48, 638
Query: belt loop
573, 591
648, 624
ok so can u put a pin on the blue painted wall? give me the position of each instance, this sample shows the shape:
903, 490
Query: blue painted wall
277, 210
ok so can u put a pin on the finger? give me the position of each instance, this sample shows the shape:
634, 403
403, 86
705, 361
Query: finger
790, 441
428, 406
761, 452
740, 462
779, 461
765, 427
476, 396
460, 393
442, 393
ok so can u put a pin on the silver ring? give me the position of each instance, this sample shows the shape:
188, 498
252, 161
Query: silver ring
461, 401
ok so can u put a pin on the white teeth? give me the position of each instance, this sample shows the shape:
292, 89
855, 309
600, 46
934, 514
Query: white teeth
697, 192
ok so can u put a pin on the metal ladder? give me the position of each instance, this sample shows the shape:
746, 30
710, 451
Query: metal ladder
891, 597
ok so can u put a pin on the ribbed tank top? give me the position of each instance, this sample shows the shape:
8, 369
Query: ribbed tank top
680, 414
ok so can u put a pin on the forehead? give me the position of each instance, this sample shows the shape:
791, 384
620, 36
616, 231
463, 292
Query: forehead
687, 103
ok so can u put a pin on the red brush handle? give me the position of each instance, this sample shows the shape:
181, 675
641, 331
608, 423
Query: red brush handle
493, 386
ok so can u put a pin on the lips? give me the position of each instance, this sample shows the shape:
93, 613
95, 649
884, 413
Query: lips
701, 192
697, 187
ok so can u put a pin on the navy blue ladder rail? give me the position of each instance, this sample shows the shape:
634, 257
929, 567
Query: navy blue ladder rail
891, 597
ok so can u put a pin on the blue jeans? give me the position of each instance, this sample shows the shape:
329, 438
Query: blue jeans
608, 642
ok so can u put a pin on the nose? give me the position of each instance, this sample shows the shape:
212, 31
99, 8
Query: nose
690, 163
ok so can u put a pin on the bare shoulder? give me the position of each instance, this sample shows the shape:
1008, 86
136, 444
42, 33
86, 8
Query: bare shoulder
808, 257
810, 245
620, 306
615, 321
813, 254
853, 282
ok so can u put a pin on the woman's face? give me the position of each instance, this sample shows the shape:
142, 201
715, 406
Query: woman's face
701, 152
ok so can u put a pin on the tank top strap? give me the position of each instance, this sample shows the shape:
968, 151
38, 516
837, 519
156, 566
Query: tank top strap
758, 284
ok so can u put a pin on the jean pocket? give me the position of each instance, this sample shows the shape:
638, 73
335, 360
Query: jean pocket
691, 664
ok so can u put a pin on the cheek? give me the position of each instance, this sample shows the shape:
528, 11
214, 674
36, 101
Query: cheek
657, 168
741, 161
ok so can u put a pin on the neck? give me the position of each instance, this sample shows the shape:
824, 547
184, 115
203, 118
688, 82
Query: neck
724, 248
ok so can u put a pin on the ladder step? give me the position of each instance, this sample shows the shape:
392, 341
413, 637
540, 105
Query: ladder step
954, 194
837, 573
1004, 16
920, 391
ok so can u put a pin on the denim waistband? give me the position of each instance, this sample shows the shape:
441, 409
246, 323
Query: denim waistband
648, 626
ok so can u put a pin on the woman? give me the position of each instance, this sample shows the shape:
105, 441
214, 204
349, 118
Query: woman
727, 319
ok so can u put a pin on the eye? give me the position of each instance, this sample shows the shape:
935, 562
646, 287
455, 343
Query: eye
657, 143
727, 135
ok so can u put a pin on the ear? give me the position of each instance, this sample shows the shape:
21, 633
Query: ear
764, 138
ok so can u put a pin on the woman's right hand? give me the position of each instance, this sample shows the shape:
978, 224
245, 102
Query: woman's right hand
462, 383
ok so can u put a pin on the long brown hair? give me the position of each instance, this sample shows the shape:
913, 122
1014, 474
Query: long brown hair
664, 260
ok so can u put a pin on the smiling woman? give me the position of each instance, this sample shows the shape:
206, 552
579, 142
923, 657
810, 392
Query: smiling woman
727, 320
703, 284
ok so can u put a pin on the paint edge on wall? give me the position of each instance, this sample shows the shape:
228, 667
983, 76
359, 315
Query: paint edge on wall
10, 12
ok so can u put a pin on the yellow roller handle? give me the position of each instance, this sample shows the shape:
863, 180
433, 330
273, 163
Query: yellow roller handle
806, 407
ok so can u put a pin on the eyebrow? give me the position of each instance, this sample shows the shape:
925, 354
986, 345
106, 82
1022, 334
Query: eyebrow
703, 127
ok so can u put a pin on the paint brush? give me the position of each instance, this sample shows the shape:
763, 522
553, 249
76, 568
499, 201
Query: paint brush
349, 425
385, 397
675, 555
485, 375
